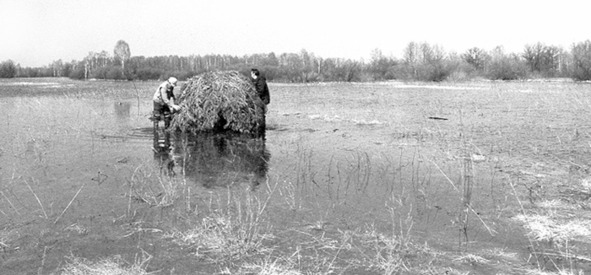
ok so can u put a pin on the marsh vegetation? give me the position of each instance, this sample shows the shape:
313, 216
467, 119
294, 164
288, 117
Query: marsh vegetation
351, 178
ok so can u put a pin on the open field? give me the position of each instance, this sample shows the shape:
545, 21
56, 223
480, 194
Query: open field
352, 178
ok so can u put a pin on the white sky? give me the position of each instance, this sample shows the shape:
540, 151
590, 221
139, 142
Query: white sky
37, 32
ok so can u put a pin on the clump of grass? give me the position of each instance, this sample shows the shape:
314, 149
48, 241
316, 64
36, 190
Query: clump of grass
75, 227
155, 190
220, 236
555, 205
269, 268
389, 251
108, 266
555, 238
547, 228
223, 100
501, 254
6, 237
471, 259
541, 272
229, 232
586, 183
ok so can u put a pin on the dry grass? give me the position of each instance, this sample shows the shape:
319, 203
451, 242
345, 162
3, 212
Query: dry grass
217, 236
229, 231
541, 272
471, 259
7, 237
555, 204
389, 252
75, 227
109, 266
225, 100
268, 267
154, 189
557, 237
552, 229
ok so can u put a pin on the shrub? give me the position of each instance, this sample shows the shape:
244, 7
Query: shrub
99, 73
148, 73
505, 66
181, 75
114, 72
7, 69
426, 62
476, 57
77, 74
581, 63
542, 60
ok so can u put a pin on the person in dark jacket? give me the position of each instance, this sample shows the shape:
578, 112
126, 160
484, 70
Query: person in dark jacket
260, 84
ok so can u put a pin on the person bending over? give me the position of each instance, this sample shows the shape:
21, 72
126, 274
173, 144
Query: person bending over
163, 99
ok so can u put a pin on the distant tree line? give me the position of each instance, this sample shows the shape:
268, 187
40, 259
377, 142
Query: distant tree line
420, 61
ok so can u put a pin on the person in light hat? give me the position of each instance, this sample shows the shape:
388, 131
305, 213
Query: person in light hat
163, 99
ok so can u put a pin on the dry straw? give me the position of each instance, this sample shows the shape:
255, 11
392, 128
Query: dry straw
218, 101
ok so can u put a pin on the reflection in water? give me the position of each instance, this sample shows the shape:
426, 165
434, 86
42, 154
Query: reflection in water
122, 115
122, 110
212, 159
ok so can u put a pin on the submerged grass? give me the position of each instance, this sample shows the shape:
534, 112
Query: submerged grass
155, 189
269, 267
559, 239
230, 230
7, 237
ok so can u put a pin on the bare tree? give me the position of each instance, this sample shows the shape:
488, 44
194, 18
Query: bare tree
581, 65
426, 62
411, 58
380, 66
543, 59
505, 66
476, 57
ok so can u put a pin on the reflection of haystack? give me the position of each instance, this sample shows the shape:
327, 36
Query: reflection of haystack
218, 101
220, 160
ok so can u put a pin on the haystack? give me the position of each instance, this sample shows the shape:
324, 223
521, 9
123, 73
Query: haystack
219, 101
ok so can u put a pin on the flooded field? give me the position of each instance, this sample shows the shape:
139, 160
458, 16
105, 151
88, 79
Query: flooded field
365, 178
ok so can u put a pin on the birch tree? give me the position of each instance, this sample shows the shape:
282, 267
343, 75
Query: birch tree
122, 52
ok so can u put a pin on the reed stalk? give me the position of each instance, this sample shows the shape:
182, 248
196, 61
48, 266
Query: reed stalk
37, 198
70, 203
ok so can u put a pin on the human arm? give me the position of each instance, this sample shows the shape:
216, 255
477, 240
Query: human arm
167, 95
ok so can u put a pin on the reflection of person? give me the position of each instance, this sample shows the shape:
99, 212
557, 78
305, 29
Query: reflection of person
164, 101
260, 84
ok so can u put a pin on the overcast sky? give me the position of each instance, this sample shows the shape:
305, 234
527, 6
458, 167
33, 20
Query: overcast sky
37, 32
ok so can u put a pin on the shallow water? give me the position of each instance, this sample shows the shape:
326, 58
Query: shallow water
73, 155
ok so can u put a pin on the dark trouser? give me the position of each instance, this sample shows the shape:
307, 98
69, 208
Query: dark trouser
162, 112
263, 127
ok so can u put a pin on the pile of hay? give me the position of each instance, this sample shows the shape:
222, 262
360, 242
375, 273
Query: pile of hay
219, 101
